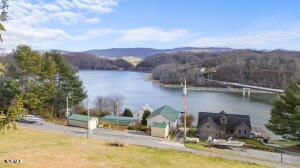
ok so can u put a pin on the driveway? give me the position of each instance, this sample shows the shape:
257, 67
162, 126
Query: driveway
252, 156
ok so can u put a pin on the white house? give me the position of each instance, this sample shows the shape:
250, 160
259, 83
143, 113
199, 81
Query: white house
159, 130
139, 113
79, 120
164, 114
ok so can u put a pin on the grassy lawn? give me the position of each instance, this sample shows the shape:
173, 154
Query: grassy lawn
255, 144
202, 145
286, 143
294, 145
39, 149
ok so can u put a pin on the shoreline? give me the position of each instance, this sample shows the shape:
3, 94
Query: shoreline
196, 88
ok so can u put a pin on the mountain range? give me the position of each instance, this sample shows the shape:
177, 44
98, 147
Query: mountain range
142, 52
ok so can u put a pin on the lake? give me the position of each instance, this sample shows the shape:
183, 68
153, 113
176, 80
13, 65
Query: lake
138, 91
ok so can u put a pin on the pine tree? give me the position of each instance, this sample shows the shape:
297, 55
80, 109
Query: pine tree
67, 83
127, 113
145, 115
285, 114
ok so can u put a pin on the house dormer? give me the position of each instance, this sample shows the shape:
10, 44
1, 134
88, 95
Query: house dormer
223, 118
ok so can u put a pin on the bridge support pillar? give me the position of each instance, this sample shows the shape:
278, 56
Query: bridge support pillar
246, 90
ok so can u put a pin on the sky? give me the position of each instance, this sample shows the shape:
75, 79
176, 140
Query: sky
78, 25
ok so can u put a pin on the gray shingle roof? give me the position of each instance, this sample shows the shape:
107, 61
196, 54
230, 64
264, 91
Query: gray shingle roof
233, 120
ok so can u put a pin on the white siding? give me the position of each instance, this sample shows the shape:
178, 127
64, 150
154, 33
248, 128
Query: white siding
92, 123
160, 132
77, 123
159, 118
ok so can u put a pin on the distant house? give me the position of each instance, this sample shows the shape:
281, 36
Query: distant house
139, 113
160, 130
120, 121
79, 120
164, 114
221, 125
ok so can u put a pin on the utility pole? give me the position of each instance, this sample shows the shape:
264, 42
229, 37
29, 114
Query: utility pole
67, 113
88, 120
185, 106
117, 113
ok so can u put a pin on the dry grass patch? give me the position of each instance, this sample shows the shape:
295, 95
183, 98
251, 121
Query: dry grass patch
39, 149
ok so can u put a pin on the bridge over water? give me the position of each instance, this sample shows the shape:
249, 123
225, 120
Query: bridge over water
246, 88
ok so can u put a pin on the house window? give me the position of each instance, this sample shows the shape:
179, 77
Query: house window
240, 131
245, 131
208, 126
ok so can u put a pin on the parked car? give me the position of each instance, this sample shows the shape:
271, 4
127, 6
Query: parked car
31, 119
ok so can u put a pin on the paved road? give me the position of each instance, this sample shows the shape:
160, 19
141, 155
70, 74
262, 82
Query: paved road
263, 158
179, 136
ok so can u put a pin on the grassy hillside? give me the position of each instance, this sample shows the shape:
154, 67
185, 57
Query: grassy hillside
39, 149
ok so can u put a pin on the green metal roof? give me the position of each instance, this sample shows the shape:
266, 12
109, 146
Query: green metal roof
79, 117
165, 111
159, 125
120, 120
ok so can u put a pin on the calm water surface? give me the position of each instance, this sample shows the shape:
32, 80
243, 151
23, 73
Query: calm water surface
138, 91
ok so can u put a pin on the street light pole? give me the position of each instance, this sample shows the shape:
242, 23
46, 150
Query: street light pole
185, 106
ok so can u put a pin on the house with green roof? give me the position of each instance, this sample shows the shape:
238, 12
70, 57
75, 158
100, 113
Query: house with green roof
118, 120
164, 114
79, 120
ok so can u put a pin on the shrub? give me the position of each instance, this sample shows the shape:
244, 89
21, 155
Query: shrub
192, 132
138, 127
172, 133
189, 120
132, 127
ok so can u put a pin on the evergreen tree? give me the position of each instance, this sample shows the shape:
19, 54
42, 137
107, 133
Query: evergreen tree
127, 113
67, 83
145, 115
45, 81
285, 114
8, 90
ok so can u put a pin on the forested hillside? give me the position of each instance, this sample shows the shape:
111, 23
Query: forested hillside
146, 52
273, 69
82, 60
264, 68
195, 58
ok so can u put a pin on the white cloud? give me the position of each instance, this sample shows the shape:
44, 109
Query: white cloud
152, 34
269, 33
245, 41
39, 23
93, 20
137, 35
104, 6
